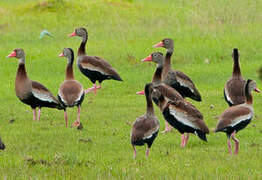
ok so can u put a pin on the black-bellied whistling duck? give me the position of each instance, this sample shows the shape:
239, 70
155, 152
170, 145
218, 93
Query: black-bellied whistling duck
145, 128
71, 92
236, 118
158, 58
234, 91
180, 114
95, 68
177, 79
31, 92
2, 146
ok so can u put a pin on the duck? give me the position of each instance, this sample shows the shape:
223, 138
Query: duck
236, 118
93, 67
2, 145
177, 79
31, 92
71, 92
234, 90
181, 114
158, 58
145, 128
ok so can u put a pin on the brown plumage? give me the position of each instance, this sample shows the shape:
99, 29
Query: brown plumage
177, 79
71, 92
236, 118
180, 114
234, 91
95, 68
145, 128
31, 92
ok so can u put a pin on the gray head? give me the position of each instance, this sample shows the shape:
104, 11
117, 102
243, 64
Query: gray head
17, 53
81, 32
166, 43
156, 57
69, 53
251, 85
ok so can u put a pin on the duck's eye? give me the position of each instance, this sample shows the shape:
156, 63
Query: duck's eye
154, 55
167, 41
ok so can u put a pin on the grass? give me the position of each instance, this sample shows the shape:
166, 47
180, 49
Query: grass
123, 32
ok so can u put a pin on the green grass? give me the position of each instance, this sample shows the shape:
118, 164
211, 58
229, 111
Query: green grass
123, 32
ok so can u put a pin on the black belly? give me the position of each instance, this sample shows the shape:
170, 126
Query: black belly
94, 75
148, 141
182, 128
34, 102
229, 130
185, 91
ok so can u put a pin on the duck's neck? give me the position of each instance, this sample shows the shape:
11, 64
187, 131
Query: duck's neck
157, 74
249, 98
167, 62
21, 71
149, 104
236, 68
69, 69
82, 49
162, 102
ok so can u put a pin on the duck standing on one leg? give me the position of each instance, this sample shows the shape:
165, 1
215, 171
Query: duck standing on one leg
71, 92
236, 118
31, 92
93, 67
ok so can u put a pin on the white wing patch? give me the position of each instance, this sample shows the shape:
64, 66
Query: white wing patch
182, 83
43, 96
80, 95
240, 119
181, 117
150, 133
227, 96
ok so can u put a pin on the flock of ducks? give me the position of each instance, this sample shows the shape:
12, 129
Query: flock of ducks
168, 90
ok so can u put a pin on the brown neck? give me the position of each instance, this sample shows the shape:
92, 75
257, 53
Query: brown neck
69, 71
21, 71
249, 98
167, 62
149, 104
157, 74
236, 68
162, 102
82, 49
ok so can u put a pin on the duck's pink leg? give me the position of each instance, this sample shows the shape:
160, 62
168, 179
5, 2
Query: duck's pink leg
236, 142
186, 139
229, 146
39, 114
66, 118
77, 122
167, 128
147, 152
182, 140
134, 152
34, 114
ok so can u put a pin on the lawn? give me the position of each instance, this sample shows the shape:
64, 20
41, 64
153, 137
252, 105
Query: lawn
123, 32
